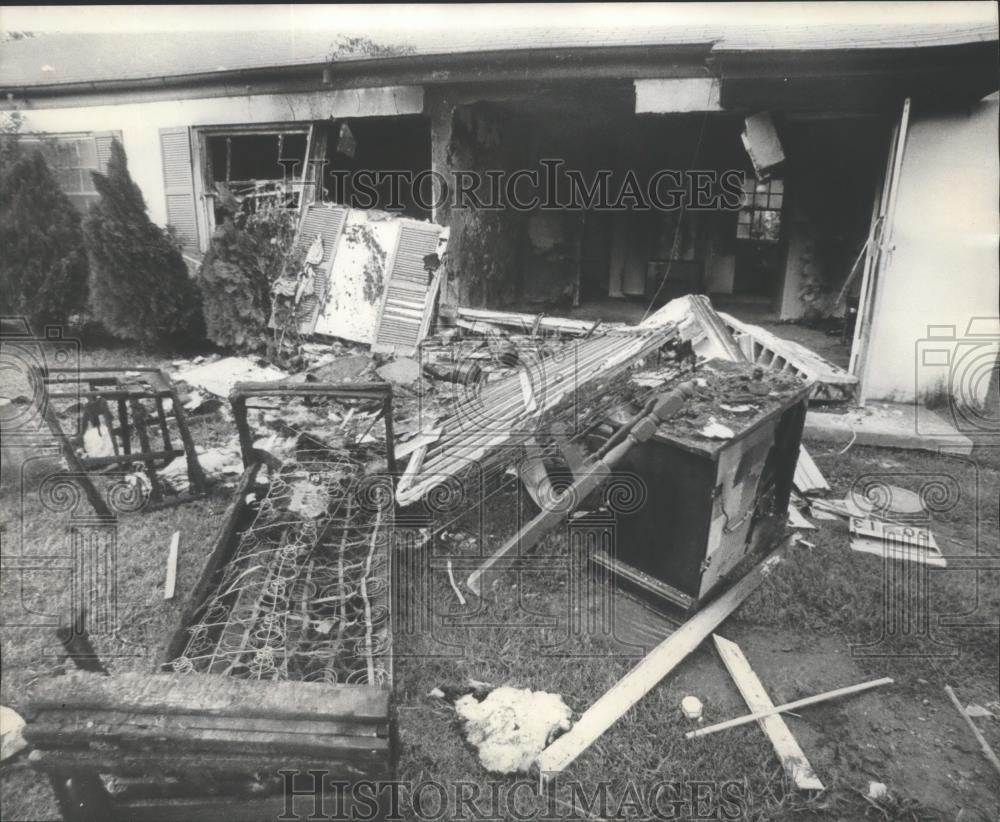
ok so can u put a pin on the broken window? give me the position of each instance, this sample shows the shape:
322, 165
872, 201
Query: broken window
72, 158
256, 167
760, 216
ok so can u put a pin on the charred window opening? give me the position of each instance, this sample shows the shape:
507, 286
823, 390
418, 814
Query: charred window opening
360, 150
255, 168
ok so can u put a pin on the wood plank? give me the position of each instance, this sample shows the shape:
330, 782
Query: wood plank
790, 706
481, 318
210, 695
170, 584
72, 717
54, 730
983, 744
793, 760
138, 763
217, 557
648, 673
808, 478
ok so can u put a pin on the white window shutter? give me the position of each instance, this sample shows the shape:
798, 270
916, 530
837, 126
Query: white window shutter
175, 148
102, 144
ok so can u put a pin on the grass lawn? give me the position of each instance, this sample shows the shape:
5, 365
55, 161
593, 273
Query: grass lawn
817, 623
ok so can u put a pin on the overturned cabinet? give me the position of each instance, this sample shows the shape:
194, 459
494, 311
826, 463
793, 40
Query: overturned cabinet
710, 503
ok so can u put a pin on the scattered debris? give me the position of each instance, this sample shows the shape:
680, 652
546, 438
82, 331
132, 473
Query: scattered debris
11, 727
793, 760
983, 744
790, 706
309, 499
691, 707
796, 520
220, 376
343, 369
978, 711
666, 656
401, 371
764, 348
893, 541
716, 431
171, 579
836, 509
809, 480
512, 726
454, 585
97, 440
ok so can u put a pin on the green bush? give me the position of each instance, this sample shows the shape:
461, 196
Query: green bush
43, 265
246, 255
139, 284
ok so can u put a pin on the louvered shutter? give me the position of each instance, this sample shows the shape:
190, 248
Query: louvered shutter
409, 297
102, 144
328, 223
175, 148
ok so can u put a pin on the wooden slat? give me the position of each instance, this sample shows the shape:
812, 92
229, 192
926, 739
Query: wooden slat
203, 694
793, 760
808, 478
790, 706
125, 721
59, 729
647, 674
179, 763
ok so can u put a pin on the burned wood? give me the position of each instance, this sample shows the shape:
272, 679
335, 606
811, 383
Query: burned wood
199, 694
127, 390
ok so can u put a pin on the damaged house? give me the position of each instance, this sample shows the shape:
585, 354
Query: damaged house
848, 146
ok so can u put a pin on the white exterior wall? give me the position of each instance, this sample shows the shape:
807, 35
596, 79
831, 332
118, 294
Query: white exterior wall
140, 123
945, 269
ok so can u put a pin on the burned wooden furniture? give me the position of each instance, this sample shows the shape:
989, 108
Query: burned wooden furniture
711, 502
282, 660
129, 420
181, 746
831, 383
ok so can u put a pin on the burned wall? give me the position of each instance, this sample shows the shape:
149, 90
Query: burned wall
483, 261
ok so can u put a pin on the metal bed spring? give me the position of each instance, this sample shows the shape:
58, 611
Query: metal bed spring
304, 596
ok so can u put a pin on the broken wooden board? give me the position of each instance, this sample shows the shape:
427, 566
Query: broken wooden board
793, 760
766, 349
638, 682
790, 706
808, 478
797, 520
170, 584
984, 746
699, 324
484, 320
895, 541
